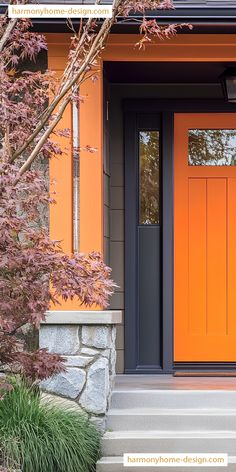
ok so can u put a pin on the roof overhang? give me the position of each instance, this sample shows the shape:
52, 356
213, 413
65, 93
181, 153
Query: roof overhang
207, 16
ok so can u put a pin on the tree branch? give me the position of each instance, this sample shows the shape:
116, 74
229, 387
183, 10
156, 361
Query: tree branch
45, 136
6, 35
79, 75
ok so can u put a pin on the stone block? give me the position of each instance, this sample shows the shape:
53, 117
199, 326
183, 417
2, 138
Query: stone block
106, 353
89, 351
55, 400
96, 392
68, 384
78, 361
96, 336
62, 340
113, 362
99, 423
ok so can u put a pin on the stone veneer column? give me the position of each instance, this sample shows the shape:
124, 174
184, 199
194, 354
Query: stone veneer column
87, 340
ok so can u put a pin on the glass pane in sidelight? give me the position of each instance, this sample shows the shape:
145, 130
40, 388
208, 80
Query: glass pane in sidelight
149, 175
212, 147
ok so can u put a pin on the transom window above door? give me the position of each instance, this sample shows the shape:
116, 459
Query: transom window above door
212, 147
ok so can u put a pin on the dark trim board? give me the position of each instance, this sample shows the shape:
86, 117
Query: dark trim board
147, 369
143, 336
204, 366
206, 373
166, 294
167, 239
178, 106
210, 25
167, 109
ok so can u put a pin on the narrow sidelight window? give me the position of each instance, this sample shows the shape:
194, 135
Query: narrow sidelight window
149, 177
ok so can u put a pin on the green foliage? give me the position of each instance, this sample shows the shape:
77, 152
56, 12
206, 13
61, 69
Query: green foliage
38, 436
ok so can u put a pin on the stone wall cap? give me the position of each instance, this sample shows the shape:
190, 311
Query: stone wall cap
105, 317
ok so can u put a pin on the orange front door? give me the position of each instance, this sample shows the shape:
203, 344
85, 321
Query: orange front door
205, 238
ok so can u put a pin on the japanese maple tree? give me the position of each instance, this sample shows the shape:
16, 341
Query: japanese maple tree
34, 271
28, 261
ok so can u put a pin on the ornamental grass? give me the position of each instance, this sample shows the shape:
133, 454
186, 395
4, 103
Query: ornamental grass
38, 436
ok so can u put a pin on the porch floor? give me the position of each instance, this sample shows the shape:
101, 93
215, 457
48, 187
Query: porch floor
168, 382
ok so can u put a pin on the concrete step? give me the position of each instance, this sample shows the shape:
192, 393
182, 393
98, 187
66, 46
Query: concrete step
115, 464
196, 399
119, 442
144, 419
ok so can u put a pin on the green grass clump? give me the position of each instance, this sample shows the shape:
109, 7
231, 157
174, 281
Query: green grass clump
41, 437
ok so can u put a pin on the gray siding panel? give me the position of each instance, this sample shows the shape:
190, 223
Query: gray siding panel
117, 225
117, 263
117, 198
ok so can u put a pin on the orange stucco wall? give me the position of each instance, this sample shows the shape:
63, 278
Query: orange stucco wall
61, 167
91, 167
188, 47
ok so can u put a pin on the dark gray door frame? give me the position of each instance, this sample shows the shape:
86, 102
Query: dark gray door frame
167, 109
143, 324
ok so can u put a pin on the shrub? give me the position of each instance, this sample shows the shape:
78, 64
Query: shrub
38, 436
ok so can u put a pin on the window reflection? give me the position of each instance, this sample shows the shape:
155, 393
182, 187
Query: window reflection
149, 177
212, 147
